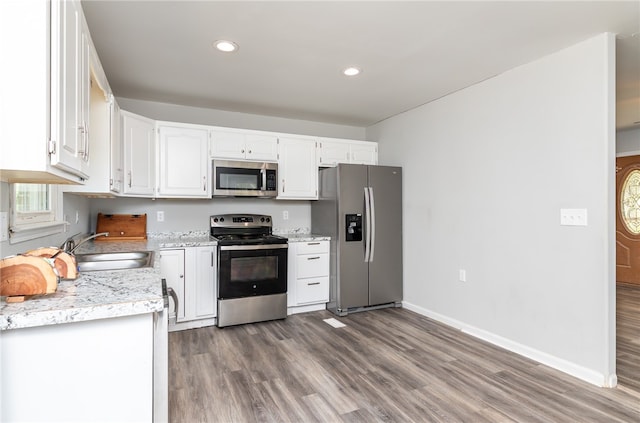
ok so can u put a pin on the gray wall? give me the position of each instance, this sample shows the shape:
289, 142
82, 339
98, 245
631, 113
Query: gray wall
628, 141
178, 113
486, 172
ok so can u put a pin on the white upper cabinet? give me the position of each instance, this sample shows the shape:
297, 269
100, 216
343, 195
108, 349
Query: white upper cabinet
297, 169
138, 141
103, 136
183, 162
47, 89
363, 153
70, 88
334, 151
116, 174
244, 145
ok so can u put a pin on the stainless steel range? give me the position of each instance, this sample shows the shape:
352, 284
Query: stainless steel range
252, 269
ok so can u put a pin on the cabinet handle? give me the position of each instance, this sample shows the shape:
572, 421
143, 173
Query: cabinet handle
313, 243
313, 283
313, 258
212, 259
181, 276
129, 179
204, 183
283, 185
242, 151
249, 151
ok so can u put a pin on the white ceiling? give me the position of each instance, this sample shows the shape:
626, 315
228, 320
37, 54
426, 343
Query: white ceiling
292, 53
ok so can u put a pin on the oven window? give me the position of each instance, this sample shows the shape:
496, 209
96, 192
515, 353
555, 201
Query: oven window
249, 269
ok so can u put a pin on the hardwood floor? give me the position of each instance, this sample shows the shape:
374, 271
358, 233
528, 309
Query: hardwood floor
389, 365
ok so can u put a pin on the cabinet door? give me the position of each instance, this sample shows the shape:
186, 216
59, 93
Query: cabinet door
364, 153
297, 169
139, 154
184, 162
172, 269
227, 145
116, 180
204, 286
312, 290
332, 152
67, 68
261, 147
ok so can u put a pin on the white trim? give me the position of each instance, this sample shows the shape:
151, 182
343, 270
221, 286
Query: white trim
27, 231
23, 233
588, 375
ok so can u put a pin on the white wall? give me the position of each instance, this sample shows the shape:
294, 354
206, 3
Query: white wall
486, 172
628, 141
178, 113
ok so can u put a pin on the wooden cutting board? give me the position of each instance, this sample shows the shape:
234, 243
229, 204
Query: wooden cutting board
122, 227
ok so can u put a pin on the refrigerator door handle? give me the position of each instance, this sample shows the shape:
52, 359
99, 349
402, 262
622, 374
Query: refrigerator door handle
372, 238
367, 225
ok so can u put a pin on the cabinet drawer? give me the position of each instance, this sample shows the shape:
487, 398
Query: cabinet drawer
312, 265
314, 290
312, 247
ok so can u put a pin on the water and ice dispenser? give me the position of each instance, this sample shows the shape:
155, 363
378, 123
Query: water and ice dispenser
353, 229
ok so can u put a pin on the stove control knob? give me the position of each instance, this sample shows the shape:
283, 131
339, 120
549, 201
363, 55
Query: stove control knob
222, 219
262, 219
268, 219
215, 219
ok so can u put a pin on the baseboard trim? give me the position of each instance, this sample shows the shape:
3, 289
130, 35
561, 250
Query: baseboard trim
583, 373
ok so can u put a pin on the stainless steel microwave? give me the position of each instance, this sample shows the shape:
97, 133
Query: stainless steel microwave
233, 178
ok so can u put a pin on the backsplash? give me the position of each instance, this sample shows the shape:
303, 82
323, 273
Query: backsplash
193, 215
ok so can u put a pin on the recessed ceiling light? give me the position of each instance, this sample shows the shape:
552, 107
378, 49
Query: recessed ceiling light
226, 46
351, 71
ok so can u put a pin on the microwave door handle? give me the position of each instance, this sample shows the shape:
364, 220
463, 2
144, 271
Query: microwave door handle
263, 173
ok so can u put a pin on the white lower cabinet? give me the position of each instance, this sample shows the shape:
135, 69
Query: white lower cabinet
79, 372
308, 283
191, 273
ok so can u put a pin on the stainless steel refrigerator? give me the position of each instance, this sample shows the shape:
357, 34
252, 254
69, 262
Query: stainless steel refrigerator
360, 207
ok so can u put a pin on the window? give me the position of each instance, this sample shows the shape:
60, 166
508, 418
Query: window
36, 211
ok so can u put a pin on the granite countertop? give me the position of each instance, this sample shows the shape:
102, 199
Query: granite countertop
298, 237
101, 294
110, 294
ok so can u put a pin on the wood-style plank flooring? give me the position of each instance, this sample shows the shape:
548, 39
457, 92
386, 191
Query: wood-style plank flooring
389, 365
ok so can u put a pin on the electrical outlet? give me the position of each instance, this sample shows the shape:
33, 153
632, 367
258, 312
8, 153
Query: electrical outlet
160, 216
285, 215
573, 217
462, 275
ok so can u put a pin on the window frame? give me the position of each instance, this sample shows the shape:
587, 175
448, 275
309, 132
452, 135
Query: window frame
28, 226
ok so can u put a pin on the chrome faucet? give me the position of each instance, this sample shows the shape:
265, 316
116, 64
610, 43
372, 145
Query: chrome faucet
70, 245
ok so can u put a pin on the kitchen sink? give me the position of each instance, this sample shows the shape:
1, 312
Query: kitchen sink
114, 261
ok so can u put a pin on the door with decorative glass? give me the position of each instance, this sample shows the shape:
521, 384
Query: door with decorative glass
628, 219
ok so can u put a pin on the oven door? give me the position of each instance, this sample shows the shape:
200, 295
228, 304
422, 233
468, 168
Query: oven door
244, 179
250, 270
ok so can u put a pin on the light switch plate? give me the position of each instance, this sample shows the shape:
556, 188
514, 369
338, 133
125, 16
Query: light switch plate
4, 226
573, 217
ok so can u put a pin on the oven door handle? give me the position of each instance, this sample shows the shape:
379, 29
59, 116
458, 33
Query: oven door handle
253, 247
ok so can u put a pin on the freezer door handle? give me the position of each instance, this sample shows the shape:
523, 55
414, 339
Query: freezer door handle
367, 225
372, 239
